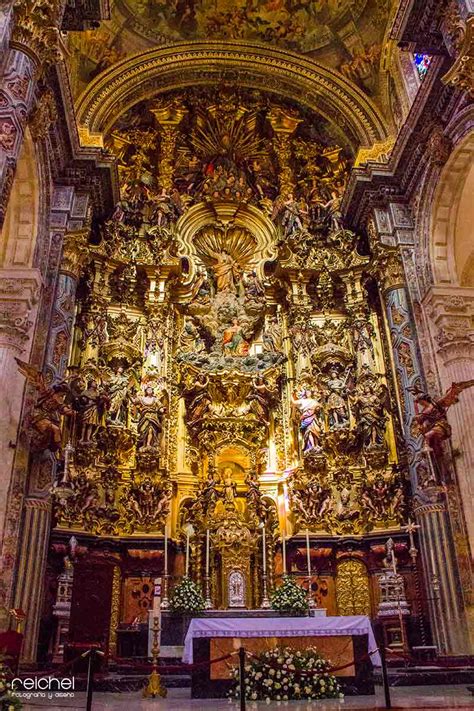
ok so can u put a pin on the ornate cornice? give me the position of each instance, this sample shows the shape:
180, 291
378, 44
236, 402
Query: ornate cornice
254, 65
461, 74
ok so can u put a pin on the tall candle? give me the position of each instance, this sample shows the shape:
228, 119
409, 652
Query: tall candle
187, 554
166, 549
283, 549
207, 553
264, 553
308, 554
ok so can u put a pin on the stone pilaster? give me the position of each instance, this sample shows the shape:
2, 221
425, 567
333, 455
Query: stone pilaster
450, 311
19, 293
30, 576
440, 565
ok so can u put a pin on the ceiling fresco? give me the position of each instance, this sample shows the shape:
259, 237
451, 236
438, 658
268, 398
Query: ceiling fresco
345, 35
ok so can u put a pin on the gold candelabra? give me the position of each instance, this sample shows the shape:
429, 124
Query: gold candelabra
155, 687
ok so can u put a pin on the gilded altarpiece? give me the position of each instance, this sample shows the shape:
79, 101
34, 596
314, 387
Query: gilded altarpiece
229, 367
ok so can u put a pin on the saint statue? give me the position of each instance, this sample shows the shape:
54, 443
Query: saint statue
229, 489
117, 393
226, 270
310, 409
190, 340
150, 411
338, 412
234, 342
273, 336
92, 408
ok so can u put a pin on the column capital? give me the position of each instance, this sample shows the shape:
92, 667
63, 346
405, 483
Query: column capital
387, 264
35, 30
75, 252
19, 292
451, 312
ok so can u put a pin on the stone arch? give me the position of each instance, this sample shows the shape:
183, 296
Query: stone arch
452, 217
20, 228
351, 113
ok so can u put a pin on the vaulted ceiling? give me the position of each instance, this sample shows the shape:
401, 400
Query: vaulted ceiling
345, 35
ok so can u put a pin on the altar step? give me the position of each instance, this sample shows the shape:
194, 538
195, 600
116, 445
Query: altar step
427, 675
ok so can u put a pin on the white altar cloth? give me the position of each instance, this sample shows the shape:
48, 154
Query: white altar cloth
280, 627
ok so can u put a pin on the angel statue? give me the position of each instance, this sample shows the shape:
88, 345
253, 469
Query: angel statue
50, 405
310, 409
150, 410
431, 419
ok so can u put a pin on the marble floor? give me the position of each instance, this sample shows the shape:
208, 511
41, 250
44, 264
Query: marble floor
419, 697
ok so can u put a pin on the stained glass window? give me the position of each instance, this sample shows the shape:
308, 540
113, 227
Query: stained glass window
422, 62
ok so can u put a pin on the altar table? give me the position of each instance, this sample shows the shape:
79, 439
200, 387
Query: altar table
280, 627
341, 639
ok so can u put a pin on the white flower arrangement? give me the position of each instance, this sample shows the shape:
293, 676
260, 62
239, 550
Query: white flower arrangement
187, 598
8, 700
306, 677
289, 597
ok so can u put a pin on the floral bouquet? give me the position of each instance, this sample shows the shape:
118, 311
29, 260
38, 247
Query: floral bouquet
186, 598
283, 674
8, 700
289, 597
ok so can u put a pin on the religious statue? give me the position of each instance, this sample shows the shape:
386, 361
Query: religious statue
209, 494
370, 405
190, 340
363, 338
336, 403
234, 342
432, 421
261, 397
294, 214
92, 404
202, 289
253, 287
50, 405
226, 270
164, 209
117, 392
273, 336
150, 411
254, 495
345, 510
228, 490
310, 409
198, 400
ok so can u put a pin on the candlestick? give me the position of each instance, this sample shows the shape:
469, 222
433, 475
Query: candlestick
308, 555
187, 554
164, 598
265, 601
207, 552
283, 549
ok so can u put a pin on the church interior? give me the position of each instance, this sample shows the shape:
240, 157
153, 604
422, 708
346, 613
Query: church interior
237, 346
